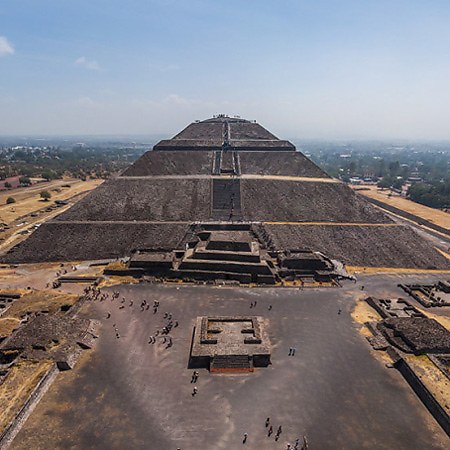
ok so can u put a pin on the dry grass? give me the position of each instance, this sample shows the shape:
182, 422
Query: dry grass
116, 265
36, 301
28, 199
433, 215
363, 313
8, 325
377, 270
436, 382
18, 385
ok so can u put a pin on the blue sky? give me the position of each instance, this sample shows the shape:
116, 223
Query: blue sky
303, 68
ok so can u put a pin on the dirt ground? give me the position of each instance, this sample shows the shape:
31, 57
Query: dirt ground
28, 199
138, 388
433, 215
33, 301
30, 210
18, 385
436, 382
333, 391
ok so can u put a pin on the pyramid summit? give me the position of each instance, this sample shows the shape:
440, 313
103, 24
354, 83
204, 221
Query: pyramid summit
226, 174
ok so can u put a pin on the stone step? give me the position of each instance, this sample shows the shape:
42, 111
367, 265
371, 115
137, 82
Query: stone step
212, 275
225, 266
231, 363
226, 256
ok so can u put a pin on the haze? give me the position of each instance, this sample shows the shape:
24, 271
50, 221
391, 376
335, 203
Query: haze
312, 69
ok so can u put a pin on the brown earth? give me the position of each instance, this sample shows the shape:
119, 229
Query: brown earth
17, 386
28, 199
436, 216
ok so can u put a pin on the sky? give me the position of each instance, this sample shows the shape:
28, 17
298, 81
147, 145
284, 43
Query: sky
343, 69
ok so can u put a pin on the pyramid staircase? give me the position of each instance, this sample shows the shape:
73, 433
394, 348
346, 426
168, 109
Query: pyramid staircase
226, 260
231, 364
226, 202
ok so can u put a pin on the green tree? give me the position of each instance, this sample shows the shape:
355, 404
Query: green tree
46, 195
10, 200
25, 181
48, 175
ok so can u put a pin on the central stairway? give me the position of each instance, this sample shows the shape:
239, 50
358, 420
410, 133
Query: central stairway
231, 363
226, 204
226, 255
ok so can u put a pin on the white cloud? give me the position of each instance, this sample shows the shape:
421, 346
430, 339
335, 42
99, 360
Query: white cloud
82, 61
6, 47
86, 102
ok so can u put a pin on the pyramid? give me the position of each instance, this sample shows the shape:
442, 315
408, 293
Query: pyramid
228, 172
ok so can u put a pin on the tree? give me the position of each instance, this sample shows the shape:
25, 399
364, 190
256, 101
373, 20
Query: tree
46, 195
10, 200
25, 181
48, 175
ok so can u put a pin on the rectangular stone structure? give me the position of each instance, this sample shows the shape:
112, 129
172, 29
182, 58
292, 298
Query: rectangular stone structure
230, 344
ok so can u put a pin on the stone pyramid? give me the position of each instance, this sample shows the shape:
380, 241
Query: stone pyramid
227, 171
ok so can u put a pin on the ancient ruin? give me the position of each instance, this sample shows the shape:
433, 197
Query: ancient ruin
417, 346
231, 252
230, 344
214, 175
429, 295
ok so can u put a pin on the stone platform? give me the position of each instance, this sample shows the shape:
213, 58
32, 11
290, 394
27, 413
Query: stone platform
230, 344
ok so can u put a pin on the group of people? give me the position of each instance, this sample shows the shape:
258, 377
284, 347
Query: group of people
269, 427
93, 293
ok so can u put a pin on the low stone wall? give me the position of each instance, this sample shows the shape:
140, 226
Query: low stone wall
410, 216
424, 394
14, 427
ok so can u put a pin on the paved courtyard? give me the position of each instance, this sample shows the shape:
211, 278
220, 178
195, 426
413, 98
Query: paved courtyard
132, 394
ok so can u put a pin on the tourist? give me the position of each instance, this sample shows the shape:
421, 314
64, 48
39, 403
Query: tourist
194, 391
279, 430
269, 433
270, 308
290, 351
108, 315
245, 438
267, 422
293, 351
